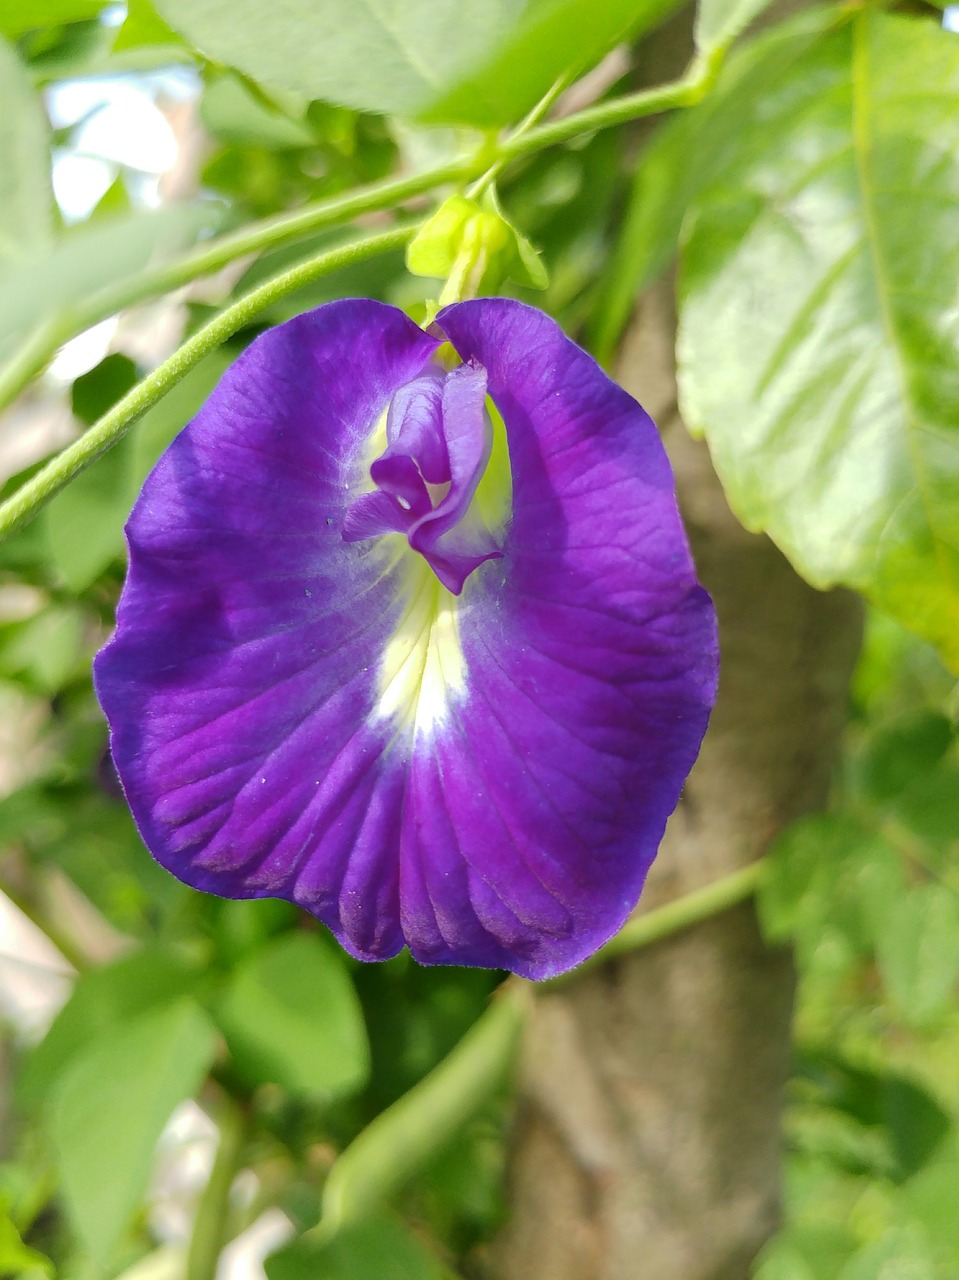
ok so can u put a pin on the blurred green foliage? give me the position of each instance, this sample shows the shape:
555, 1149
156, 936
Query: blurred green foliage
869, 896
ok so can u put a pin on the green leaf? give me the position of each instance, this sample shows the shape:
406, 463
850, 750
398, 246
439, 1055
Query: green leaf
291, 1017
103, 1002
158, 427
814, 1252
915, 1122
902, 752
98, 390
662, 187
819, 335
481, 62
359, 53
89, 258
26, 199
83, 525
549, 39
918, 952
901, 1253
827, 870
917, 1125
932, 1195
144, 26
17, 17
929, 808
108, 1110
45, 651
783, 1261
16, 1259
231, 112
379, 1248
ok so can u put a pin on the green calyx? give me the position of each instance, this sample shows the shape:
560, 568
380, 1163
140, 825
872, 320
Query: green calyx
474, 246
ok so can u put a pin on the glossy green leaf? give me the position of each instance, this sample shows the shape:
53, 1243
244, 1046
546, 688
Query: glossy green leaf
291, 1017
26, 199
918, 952
819, 339
110, 1107
378, 1248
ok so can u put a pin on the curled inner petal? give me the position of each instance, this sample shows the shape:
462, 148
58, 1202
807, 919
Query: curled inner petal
439, 438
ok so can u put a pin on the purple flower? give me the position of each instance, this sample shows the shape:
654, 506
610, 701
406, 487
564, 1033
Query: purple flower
433, 670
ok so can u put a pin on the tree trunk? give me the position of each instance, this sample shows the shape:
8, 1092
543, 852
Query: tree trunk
646, 1139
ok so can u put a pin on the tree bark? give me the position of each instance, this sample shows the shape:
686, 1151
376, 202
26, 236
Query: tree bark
646, 1137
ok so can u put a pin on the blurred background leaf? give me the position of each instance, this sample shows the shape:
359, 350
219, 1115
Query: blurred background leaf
26, 198
291, 1017
110, 1107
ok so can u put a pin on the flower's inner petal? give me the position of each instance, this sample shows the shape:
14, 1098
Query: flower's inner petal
414, 427
439, 437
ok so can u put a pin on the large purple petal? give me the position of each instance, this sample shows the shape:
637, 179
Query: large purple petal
295, 715
239, 684
590, 658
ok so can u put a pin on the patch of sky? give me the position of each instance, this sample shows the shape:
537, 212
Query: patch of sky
116, 124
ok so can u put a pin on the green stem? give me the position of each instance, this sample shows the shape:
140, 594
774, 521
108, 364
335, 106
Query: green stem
269, 233
36, 352
114, 425
685, 92
662, 922
404, 1137
212, 1214
533, 117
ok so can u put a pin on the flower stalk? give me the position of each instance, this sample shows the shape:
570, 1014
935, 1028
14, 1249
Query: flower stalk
210, 1226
